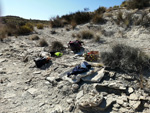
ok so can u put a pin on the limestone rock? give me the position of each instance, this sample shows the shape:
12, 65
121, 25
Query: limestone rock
135, 104
95, 76
134, 96
130, 90
32, 91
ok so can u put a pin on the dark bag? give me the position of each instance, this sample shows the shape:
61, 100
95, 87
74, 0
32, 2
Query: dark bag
41, 61
75, 45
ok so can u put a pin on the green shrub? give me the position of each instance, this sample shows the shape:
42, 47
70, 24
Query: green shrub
23, 30
126, 58
40, 26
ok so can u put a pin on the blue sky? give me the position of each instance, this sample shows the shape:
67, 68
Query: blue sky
44, 9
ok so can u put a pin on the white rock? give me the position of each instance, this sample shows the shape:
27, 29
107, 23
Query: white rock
32, 91
79, 95
93, 77
134, 96
2, 60
120, 101
51, 79
134, 104
37, 72
9, 95
130, 90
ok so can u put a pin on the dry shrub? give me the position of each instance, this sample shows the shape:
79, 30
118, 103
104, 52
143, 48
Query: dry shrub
140, 4
100, 10
3, 33
73, 24
56, 22
57, 46
34, 37
40, 26
98, 19
86, 34
108, 14
43, 43
81, 17
126, 58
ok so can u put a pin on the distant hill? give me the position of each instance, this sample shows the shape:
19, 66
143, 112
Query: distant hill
21, 21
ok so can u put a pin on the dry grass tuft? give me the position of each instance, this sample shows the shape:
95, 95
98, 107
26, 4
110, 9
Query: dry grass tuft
40, 26
57, 46
43, 43
34, 37
126, 58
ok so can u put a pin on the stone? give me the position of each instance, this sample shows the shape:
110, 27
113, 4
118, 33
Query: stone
134, 104
57, 109
120, 101
32, 91
9, 95
69, 101
134, 96
50, 79
2, 60
79, 95
95, 76
116, 105
75, 87
130, 90
37, 72
123, 110
112, 74
71, 107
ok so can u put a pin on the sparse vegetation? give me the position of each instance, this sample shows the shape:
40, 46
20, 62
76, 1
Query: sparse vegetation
40, 26
43, 43
34, 37
133, 4
126, 58
57, 46
56, 22
26, 29
86, 34
100, 10
98, 19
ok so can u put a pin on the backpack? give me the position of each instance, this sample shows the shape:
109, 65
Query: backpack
92, 56
75, 45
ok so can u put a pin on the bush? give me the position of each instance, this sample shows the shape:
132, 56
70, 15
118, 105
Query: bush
140, 4
86, 34
56, 22
40, 26
100, 10
57, 46
73, 24
43, 43
3, 33
98, 19
126, 58
34, 37
81, 17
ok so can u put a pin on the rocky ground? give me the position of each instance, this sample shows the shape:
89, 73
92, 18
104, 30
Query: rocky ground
27, 89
